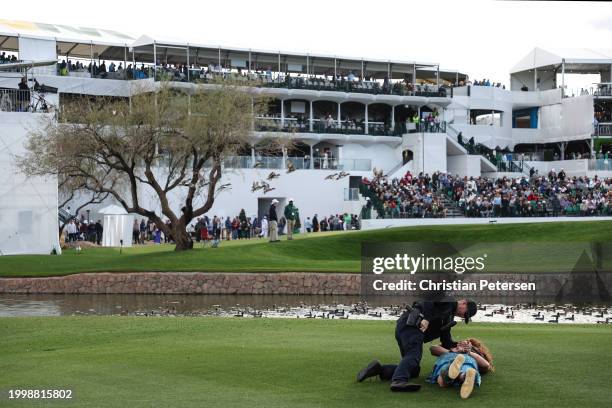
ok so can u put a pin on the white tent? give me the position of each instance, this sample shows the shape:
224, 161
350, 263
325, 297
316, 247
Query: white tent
117, 226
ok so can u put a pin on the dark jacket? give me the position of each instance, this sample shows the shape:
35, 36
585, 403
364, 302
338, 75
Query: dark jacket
438, 314
290, 212
272, 214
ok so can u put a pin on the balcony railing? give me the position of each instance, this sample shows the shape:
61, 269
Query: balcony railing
314, 83
17, 100
347, 127
603, 129
298, 163
600, 164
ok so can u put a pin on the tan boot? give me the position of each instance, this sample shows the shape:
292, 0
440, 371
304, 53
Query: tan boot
468, 384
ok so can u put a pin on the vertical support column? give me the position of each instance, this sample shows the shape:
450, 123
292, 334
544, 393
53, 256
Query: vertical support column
91, 61
392, 118
219, 57
367, 120
124, 61
188, 67
535, 79
437, 75
279, 65
307, 63
362, 73
563, 77
335, 68
284, 160
414, 81
249, 61
311, 164
311, 124
339, 117
457, 78
253, 155
282, 113
154, 61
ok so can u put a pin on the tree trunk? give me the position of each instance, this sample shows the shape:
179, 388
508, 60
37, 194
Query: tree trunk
182, 239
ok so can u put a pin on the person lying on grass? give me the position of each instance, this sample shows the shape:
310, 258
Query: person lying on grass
461, 366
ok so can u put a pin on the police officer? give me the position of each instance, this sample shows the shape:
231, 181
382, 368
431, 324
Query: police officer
421, 323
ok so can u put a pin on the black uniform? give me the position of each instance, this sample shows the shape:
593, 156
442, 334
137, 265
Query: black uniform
410, 339
272, 213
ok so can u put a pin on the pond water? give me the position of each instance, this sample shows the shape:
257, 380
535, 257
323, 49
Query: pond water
275, 306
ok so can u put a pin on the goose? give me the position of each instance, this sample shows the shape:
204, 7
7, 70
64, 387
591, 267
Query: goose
541, 317
570, 318
511, 315
239, 314
536, 315
555, 320
273, 175
342, 174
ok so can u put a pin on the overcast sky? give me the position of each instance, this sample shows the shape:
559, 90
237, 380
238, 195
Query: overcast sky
482, 38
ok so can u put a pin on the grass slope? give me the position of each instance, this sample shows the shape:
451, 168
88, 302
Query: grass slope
213, 362
322, 252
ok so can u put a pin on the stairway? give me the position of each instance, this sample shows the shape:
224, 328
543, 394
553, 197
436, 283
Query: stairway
452, 209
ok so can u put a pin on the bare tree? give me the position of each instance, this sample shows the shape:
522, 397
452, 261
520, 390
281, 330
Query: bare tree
167, 143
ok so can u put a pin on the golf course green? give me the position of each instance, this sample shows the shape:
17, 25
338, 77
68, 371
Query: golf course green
214, 362
320, 252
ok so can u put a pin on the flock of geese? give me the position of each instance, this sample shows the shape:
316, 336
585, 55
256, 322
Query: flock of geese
550, 313
264, 185
524, 313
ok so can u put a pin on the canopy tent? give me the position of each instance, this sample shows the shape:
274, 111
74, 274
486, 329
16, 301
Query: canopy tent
117, 225
583, 60
172, 51
79, 42
539, 69
95, 43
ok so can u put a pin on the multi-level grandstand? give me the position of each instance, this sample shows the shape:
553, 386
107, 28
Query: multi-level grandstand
348, 117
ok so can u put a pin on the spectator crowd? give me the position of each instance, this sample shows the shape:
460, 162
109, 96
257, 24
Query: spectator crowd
422, 196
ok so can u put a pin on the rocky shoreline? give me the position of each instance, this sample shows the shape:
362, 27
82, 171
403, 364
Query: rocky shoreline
260, 283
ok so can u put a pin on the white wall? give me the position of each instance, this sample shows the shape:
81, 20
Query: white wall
28, 206
571, 167
382, 155
464, 165
414, 222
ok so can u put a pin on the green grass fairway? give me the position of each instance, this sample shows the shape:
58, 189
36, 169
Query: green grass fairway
321, 252
212, 362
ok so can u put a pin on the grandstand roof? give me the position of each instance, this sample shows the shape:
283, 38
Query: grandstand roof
583, 60
109, 44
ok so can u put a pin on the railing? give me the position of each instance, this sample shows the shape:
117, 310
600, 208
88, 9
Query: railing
510, 166
600, 164
17, 100
297, 163
346, 127
351, 194
343, 164
603, 129
276, 80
